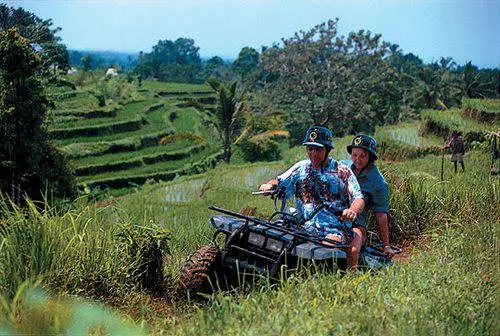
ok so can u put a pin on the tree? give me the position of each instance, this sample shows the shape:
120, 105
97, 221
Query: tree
229, 113
39, 32
440, 87
322, 78
86, 62
215, 67
176, 61
246, 63
28, 161
478, 83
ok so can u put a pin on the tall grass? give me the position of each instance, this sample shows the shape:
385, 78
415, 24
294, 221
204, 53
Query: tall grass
451, 120
446, 287
87, 250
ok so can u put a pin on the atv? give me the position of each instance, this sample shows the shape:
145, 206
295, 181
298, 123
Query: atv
272, 248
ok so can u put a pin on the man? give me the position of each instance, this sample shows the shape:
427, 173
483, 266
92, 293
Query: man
321, 180
457, 149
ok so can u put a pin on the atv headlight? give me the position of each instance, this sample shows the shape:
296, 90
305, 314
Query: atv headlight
256, 239
274, 245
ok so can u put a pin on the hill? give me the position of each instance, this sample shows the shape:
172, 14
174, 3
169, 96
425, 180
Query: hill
118, 144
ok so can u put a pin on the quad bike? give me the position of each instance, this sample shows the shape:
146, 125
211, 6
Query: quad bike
271, 248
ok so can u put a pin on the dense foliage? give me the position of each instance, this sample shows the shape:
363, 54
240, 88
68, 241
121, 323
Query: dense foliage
28, 160
95, 59
322, 78
171, 61
39, 33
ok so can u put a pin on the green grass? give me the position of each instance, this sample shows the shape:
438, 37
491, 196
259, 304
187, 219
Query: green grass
409, 134
452, 120
98, 129
174, 87
86, 133
86, 250
115, 157
138, 160
446, 287
483, 105
84, 149
157, 121
82, 99
150, 169
128, 112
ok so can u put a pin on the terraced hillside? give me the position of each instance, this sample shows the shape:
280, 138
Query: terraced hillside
115, 139
474, 120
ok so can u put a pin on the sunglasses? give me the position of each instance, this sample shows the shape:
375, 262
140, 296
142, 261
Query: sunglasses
313, 149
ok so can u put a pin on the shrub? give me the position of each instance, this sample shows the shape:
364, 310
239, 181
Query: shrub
172, 116
146, 246
259, 150
100, 253
101, 101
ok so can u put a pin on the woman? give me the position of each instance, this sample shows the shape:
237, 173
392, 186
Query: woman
363, 151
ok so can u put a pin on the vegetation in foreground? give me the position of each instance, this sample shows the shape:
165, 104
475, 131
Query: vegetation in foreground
128, 253
447, 286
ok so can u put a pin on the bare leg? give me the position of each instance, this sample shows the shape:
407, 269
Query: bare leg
355, 247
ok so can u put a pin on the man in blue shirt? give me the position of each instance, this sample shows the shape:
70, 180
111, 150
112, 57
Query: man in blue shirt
321, 180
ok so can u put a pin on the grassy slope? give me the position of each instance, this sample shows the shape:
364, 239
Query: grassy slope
454, 121
448, 286
157, 121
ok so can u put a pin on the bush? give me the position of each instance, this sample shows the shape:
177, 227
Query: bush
172, 116
100, 253
260, 150
101, 101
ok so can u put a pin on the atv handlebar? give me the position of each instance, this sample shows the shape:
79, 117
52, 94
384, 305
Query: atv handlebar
270, 192
303, 235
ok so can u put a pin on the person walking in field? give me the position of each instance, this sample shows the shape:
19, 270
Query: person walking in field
457, 146
322, 180
363, 151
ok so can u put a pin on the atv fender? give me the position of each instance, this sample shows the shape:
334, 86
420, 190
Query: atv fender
226, 224
317, 252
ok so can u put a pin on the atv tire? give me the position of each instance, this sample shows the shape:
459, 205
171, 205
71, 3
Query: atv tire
202, 274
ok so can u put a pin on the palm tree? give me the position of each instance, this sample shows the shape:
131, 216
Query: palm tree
230, 110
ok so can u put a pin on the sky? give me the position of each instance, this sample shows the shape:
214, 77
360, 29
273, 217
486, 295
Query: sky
466, 30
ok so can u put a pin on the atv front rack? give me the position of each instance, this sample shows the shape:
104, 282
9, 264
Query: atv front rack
325, 242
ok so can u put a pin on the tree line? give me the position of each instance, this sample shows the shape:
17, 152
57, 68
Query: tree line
350, 83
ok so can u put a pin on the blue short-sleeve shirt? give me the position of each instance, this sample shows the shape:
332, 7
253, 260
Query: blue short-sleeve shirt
334, 185
375, 191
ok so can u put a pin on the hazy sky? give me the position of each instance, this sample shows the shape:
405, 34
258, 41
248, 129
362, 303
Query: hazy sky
462, 29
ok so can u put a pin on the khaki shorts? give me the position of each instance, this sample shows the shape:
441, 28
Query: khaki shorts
457, 157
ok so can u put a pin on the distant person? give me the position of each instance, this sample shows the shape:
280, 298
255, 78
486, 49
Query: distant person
495, 152
363, 151
457, 146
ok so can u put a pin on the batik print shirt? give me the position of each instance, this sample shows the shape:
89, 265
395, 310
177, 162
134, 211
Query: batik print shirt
334, 185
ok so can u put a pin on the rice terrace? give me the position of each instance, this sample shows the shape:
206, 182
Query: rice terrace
133, 184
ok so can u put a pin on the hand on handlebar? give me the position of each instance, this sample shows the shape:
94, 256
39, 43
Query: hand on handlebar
349, 215
268, 188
